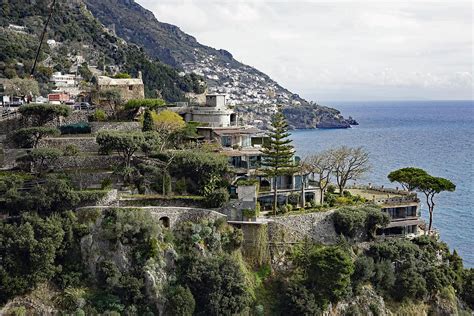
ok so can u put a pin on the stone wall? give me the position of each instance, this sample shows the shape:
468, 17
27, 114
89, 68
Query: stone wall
95, 162
172, 215
294, 228
84, 144
9, 125
8, 157
115, 126
75, 117
91, 179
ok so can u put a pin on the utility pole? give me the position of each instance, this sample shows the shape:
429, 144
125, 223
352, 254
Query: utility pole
51, 10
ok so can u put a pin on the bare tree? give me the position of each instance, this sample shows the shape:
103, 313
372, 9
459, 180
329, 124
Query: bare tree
349, 164
321, 166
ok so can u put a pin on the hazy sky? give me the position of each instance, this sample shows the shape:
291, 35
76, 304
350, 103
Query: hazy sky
340, 50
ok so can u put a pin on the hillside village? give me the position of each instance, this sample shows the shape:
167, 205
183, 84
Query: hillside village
128, 187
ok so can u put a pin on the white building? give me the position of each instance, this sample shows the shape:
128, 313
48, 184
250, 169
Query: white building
66, 83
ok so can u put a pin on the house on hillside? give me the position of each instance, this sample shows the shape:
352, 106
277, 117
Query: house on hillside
129, 89
402, 207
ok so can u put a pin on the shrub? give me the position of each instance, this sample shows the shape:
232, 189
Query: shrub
99, 115
79, 128
331, 189
298, 300
106, 184
180, 186
90, 197
146, 103
71, 151
180, 301
467, 292
217, 283
348, 221
216, 198
364, 270
330, 199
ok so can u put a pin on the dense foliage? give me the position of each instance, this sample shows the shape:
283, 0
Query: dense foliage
40, 114
31, 136
359, 221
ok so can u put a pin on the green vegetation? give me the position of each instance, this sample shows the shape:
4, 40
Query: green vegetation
31, 136
124, 143
359, 221
78, 128
151, 104
278, 153
40, 114
421, 181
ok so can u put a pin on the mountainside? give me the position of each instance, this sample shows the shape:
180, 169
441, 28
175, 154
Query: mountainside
244, 85
137, 25
75, 36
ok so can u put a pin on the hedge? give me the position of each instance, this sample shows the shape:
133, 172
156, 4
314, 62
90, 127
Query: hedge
79, 128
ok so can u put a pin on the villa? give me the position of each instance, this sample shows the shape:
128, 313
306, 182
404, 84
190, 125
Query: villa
402, 206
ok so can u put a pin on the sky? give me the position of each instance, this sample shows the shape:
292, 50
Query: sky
340, 50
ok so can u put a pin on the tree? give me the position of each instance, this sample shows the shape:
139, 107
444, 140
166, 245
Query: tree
40, 114
27, 254
329, 273
147, 121
22, 87
217, 284
42, 158
349, 164
278, 153
167, 123
113, 98
406, 177
321, 165
180, 301
431, 186
30, 137
124, 143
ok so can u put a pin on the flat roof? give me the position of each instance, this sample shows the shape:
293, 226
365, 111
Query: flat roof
408, 222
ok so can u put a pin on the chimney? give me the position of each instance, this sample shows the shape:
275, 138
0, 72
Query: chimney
140, 75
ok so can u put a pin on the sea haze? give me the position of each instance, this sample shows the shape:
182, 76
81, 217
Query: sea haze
434, 135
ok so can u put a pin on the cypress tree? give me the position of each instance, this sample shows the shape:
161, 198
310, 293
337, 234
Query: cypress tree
278, 153
147, 121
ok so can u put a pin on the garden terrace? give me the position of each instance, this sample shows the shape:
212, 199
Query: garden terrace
385, 196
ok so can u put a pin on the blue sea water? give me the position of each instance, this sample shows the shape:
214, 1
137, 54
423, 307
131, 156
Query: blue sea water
434, 135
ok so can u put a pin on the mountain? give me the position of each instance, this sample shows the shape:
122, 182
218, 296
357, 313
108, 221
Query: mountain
76, 36
120, 35
253, 91
168, 43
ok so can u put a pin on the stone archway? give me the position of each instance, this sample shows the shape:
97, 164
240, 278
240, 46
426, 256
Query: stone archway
165, 221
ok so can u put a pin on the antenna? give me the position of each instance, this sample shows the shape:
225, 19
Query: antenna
51, 10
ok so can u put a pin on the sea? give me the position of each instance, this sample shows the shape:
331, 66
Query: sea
434, 135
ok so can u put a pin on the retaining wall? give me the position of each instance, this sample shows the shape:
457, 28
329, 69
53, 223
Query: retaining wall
115, 126
84, 144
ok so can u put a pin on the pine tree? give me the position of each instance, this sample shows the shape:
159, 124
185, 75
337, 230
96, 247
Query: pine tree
278, 153
147, 121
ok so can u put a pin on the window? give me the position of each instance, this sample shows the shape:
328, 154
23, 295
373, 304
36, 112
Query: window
226, 141
130, 88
